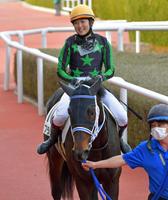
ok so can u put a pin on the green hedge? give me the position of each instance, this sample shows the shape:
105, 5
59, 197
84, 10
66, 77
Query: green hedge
42, 3
131, 10
146, 70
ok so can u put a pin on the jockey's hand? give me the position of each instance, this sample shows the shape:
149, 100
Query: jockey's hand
101, 77
89, 164
75, 82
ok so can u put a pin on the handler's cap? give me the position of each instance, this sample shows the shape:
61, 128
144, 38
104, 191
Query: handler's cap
158, 112
81, 12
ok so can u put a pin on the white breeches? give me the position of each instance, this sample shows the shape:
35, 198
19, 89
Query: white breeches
116, 108
118, 112
61, 111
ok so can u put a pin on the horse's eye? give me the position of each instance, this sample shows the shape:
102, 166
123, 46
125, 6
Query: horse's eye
91, 113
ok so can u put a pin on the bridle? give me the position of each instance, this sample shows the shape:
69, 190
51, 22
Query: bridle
96, 127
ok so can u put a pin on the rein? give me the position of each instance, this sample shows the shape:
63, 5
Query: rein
99, 187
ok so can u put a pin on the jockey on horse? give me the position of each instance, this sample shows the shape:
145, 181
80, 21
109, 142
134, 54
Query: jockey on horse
86, 53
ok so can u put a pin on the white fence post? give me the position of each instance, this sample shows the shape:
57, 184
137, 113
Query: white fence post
44, 38
120, 39
20, 69
72, 3
108, 36
40, 86
67, 3
90, 3
124, 102
19, 76
7, 67
137, 42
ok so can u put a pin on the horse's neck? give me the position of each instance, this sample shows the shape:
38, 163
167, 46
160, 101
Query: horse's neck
102, 113
101, 141
102, 137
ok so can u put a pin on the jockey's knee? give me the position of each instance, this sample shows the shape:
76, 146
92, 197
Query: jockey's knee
59, 120
122, 119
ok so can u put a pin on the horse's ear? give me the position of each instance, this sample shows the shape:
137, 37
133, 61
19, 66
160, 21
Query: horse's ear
67, 88
96, 86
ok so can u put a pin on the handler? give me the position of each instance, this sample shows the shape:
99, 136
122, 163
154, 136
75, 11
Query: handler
152, 155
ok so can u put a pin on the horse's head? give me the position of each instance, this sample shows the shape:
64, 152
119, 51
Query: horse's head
84, 115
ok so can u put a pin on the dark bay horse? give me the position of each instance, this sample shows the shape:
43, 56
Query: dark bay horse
92, 135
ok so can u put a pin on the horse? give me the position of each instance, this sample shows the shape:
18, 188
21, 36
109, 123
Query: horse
92, 135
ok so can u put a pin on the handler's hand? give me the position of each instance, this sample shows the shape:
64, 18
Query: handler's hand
88, 164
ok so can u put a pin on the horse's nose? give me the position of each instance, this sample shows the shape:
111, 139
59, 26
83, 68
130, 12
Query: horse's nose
81, 155
85, 155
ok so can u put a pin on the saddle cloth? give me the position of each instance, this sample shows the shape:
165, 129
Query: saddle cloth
47, 123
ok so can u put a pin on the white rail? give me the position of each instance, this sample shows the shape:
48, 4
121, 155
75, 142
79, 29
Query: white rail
67, 5
107, 26
120, 27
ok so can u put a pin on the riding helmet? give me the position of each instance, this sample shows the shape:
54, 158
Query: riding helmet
158, 112
81, 12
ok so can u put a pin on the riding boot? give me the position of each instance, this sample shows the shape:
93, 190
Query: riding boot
46, 145
125, 147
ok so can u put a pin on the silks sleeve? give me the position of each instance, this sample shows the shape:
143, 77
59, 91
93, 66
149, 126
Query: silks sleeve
108, 61
63, 62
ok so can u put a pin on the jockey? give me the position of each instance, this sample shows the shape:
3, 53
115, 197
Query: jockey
88, 55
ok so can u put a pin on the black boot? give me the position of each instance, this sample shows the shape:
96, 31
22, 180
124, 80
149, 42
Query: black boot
125, 147
45, 146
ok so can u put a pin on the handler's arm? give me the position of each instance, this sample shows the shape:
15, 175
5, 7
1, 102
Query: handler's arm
113, 162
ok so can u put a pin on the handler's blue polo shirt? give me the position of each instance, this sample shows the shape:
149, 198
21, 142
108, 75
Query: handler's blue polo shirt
141, 156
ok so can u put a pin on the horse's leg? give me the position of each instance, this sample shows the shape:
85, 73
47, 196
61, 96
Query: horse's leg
94, 195
112, 187
55, 162
86, 191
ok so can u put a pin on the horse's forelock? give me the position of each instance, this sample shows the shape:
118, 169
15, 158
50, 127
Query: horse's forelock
83, 88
